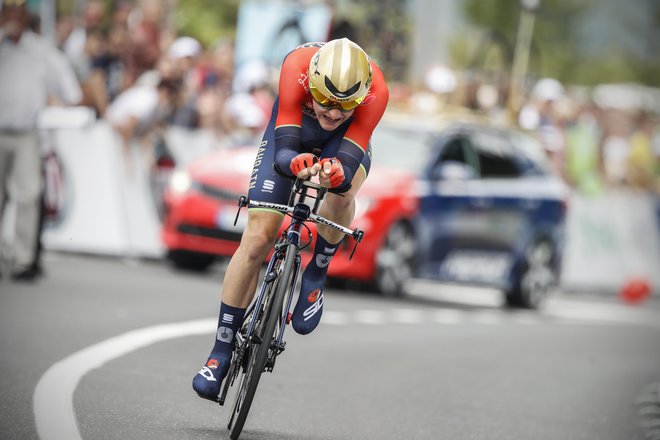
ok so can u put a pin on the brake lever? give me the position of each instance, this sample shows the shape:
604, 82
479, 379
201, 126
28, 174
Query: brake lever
242, 201
357, 235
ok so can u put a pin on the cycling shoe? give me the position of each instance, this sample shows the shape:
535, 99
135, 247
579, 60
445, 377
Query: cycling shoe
309, 308
208, 380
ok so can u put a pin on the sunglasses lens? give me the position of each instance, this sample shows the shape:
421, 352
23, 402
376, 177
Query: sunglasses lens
329, 103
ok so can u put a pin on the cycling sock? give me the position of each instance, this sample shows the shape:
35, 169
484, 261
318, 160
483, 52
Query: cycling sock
208, 380
309, 308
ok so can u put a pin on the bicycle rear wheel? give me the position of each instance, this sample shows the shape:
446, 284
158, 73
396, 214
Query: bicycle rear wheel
258, 348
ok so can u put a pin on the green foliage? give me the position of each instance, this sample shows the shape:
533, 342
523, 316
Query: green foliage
207, 20
557, 42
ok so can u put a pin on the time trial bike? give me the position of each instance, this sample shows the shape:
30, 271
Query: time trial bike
260, 339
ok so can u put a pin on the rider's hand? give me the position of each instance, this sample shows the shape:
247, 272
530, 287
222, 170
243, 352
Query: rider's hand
305, 165
332, 173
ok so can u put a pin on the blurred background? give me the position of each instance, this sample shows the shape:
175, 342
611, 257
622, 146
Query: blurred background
166, 82
149, 115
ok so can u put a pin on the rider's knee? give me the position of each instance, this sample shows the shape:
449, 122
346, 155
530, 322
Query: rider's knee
258, 240
340, 203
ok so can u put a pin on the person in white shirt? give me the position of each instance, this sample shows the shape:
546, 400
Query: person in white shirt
31, 72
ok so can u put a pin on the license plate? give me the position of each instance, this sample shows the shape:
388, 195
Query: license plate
490, 267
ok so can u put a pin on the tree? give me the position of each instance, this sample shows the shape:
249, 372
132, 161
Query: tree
559, 44
207, 20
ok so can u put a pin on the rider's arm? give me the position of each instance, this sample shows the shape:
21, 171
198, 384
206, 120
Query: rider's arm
289, 116
366, 117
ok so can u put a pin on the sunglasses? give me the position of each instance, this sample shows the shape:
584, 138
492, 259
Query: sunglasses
328, 103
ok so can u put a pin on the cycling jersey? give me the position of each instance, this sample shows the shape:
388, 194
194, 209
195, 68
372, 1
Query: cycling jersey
266, 184
294, 129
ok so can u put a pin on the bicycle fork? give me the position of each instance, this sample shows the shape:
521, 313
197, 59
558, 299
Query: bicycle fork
279, 344
242, 340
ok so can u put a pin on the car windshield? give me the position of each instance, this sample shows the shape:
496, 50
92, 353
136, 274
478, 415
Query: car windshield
400, 148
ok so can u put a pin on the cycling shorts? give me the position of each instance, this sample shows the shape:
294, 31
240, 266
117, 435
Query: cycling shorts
266, 184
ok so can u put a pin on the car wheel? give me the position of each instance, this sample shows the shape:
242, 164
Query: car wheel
536, 278
394, 260
187, 260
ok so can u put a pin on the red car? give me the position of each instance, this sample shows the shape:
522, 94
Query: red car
201, 204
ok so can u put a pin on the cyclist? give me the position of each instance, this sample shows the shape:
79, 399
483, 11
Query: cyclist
331, 97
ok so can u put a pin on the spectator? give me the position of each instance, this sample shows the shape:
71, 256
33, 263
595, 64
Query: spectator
91, 79
145, 34
216, 78
144, 107
251, 104
641, 161
31, 72
109, 77
541, 116
582, 143
75, 44
615, 148
185, 53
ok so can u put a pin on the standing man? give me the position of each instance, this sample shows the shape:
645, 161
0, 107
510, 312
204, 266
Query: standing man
331, 97
31, 72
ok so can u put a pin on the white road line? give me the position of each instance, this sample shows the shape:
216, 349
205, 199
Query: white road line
603, 313
408, 316
332, 317
448, 316
53, 397
485, 317
370, 317
522, 318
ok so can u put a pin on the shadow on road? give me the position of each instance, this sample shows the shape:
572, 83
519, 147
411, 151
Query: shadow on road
254, 434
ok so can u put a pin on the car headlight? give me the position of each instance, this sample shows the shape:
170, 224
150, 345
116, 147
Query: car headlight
180, 182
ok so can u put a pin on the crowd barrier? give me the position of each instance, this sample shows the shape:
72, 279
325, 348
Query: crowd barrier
105, 206
108, 209
612, 239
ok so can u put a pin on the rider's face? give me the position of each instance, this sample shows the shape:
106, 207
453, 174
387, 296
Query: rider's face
330, 119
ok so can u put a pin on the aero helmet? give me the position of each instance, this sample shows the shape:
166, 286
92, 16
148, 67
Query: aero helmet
340, 72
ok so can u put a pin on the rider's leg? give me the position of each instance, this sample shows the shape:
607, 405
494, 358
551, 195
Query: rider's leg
340, 209
239, 286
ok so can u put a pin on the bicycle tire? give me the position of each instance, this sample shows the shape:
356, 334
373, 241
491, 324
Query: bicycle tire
259, 356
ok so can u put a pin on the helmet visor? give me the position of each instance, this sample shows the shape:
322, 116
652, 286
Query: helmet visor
326, 102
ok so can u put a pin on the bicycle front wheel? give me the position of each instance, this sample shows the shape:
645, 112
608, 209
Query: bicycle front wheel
260, 346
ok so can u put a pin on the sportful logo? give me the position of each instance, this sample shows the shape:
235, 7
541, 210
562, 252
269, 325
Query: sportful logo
227, 318
268, 186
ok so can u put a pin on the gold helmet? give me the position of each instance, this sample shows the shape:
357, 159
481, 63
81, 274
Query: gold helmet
340, 74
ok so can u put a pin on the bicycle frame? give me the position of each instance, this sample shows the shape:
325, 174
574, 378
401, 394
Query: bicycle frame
300, 213
269, 313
